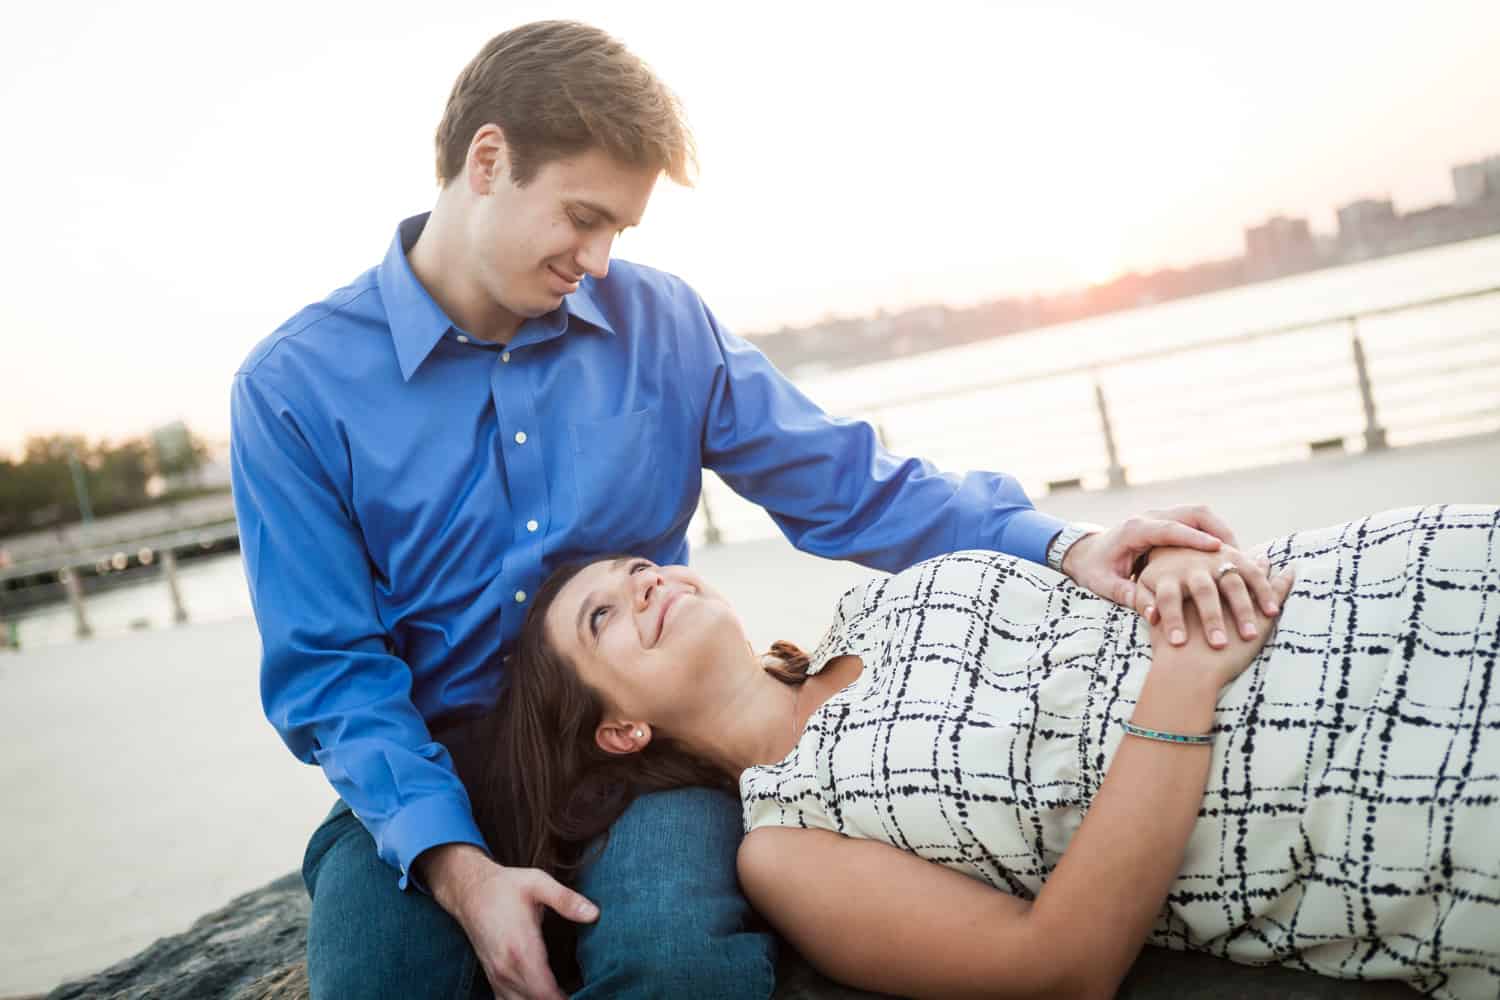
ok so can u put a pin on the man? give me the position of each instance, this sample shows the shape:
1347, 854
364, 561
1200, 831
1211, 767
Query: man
411, 457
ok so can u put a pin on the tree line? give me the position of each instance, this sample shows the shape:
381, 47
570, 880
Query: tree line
59, 477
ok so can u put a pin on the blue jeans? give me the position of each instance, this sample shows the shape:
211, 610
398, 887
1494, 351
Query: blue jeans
672, 920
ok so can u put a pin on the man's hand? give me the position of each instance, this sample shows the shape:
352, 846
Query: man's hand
500, 909
1102, 563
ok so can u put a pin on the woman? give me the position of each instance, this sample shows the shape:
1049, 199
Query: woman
987, 780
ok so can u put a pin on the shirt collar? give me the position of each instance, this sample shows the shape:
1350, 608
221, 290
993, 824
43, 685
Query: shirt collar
582, 305
417, 322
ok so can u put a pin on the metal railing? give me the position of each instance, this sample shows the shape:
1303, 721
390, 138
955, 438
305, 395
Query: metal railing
1103, 419
68, 567
1339, 390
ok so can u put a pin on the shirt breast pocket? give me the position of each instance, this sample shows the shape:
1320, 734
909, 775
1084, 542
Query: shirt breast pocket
616, 471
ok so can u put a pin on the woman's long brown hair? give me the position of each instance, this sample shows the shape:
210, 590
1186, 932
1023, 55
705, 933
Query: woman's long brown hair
540, 787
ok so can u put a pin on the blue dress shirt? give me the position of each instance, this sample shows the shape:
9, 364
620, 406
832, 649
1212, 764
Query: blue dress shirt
402, 489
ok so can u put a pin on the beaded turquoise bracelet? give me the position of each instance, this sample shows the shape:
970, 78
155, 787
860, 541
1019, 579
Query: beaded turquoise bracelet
1156, 734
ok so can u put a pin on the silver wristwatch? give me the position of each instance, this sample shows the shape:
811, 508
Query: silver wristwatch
1061, 542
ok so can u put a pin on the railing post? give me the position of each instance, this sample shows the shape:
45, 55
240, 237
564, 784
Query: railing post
74, 589
1374, 433
169, 570
711, 533
1116, 470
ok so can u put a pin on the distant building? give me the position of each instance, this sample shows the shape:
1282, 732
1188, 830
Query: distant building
1365, 226
1363, 214
1476, 181
179, 458
1279, 246
1469, 183
1445, 224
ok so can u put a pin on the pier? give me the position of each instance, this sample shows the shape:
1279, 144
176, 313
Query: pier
1366, 419
72, 561
1284, 400
97, 728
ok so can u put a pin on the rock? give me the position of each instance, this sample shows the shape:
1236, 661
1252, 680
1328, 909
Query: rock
286, 983
253, 949
1160, 974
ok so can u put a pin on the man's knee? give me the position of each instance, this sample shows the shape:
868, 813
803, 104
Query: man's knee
672, 918
367, 938
676, 959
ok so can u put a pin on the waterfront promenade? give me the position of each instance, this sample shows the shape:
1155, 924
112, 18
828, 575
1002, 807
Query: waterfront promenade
143, 787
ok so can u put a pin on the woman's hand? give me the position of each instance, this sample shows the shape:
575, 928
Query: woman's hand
1195, 660
1102, 563
1175, 575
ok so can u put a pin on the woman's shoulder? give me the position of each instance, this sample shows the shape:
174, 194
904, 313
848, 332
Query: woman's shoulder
948, 570
970, 577
783, 794
839, 637
967, 572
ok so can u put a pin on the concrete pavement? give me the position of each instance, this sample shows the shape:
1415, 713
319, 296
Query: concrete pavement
143, 787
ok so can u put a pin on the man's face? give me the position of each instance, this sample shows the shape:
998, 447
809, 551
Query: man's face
531, 245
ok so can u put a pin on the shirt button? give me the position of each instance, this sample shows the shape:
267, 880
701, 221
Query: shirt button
520, 437
532, 526
520, 597
505, 356
462, 339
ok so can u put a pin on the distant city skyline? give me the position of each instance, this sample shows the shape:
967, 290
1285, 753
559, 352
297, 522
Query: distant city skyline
187, 188
1365, 227
1373, 227
1278, 247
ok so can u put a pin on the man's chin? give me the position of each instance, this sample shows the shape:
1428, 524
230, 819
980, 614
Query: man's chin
537, 308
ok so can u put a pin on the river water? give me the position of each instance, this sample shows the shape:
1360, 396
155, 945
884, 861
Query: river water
1435, 373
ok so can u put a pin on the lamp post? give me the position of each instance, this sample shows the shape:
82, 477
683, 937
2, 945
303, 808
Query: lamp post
80, 488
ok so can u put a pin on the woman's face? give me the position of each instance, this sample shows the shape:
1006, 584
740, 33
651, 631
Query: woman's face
658, 642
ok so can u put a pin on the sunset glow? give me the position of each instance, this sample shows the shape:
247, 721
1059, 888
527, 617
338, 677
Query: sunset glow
187, 187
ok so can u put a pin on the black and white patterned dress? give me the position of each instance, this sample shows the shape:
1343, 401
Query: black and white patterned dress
1351, 824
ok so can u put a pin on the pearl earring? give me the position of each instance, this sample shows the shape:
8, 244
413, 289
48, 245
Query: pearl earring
639, 734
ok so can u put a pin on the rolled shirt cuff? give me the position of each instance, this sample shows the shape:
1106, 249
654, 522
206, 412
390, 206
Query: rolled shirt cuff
1027, 533
423, 824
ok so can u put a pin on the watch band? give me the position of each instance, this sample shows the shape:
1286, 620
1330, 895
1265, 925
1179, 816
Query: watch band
1057, 549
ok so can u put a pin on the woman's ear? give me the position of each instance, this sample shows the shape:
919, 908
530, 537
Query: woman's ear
622, 736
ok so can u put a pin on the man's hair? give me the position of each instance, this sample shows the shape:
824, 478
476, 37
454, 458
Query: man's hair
558, 89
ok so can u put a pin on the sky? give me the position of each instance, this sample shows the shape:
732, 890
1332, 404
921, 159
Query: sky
182, 177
